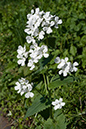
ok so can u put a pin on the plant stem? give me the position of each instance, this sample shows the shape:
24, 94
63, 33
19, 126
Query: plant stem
45, 84
46, 81
50, 110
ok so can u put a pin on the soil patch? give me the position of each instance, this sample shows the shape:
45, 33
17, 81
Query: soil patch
4, 124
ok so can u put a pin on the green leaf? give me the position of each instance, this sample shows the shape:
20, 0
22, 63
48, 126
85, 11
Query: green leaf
12, 83
72, 25
73, 50
82, 16
26, 71
45, 113
59, 82
57, 113
39, 127
83, 41
39, 104
49, 124
61, 124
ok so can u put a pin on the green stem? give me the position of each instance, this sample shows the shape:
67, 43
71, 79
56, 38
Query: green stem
48, 92
47, 80
50, 110
45, 84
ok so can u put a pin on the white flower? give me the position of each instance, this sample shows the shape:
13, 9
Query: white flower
73, 67
37, 53
22, 80
30, 63
38, 22
57, 22
65, 66
52, 23
30, 39
32, 11
65, 69
47, 17
58, 104
60, 21
23, 86
44, 51
37, 10
57, 60
21, 49
41, 35
22, 55
32, 67
44, 23
45, 29
62, 63
21, 61
56, 19
9, 114
18, 87
29, 94
49, 30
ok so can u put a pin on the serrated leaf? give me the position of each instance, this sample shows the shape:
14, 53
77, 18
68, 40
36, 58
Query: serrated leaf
39, 104
57, 113
60, 82
61, 124
49, 124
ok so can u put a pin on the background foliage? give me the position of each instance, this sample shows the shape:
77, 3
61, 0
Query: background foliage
70, 41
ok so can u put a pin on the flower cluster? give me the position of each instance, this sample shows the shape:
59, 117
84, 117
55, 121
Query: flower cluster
58, 104
23, 86
22, 55
40, 23
65, 66
37, 53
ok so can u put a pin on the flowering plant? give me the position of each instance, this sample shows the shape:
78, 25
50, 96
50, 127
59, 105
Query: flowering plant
45, 70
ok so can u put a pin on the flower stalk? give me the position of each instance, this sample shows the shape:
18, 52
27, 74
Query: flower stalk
46, 88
